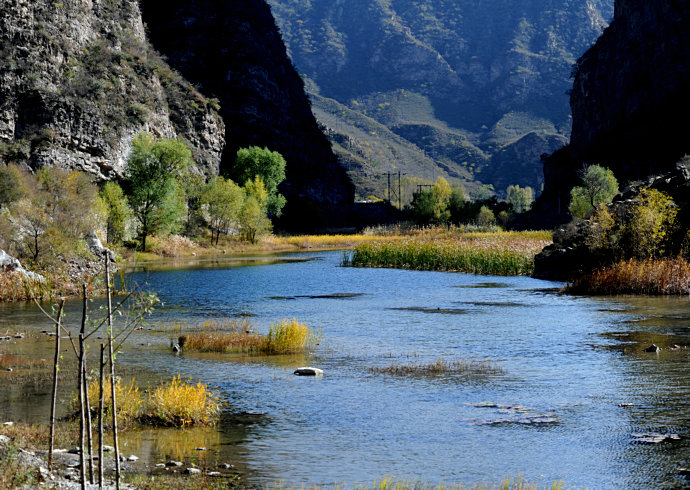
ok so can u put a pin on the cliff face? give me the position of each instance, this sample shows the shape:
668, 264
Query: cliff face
232, 50
78, 80
630, 99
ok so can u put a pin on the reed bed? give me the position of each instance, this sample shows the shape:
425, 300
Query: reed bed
174, 404
500, 253
440, 367
284, 337
657, 277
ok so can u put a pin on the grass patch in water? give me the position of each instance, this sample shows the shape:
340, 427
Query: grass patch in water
442, 366
647, 277
497, 253
391, 483
174, 404
13, 361
284, 337
421, 309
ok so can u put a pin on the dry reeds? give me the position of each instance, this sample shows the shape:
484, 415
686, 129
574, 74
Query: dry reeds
499, 253
669, 276
440, 367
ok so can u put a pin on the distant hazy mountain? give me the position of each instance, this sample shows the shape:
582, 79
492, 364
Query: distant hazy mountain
454, 82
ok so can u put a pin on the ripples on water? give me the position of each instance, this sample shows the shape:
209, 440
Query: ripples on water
565, 408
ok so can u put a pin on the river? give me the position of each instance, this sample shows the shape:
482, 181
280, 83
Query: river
575, 394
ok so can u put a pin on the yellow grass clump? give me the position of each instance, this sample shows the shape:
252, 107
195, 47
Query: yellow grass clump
180, 404
670, 276
289, 336
173, 404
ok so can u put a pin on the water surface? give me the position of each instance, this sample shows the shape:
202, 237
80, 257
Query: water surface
576, 385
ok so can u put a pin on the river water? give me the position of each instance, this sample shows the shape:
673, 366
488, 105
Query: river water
576, 396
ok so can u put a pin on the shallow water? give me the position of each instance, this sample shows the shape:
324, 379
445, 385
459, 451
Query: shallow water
576, 385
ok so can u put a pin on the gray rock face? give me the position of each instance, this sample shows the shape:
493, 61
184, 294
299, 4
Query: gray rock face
9, 263
78, 80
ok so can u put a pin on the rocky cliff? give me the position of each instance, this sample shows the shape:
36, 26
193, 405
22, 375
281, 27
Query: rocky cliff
78, 80
630, 99
232, 50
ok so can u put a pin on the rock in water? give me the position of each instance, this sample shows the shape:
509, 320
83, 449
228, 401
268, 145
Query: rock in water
652, 348
308, 371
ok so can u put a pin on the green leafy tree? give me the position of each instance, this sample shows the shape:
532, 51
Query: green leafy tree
193, 186
116, 210
521, 198
223, 201
599, 186
156, 198
432, 206
269, 166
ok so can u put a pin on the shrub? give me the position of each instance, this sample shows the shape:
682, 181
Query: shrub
599, 186
130, 401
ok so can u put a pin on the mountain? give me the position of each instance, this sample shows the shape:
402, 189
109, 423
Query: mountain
459, 80
78, 80
630, 101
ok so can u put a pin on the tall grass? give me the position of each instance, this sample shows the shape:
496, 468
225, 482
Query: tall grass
173, 404
284, 337
649, 277
500, 253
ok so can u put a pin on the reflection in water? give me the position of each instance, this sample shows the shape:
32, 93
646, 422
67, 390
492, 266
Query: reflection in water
577, 386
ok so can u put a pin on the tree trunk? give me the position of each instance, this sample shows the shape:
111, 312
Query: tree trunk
112, 369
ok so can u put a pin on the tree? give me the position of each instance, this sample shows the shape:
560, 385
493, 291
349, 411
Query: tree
600, 186
117, 211
520, 198
269, 166
155, 197
432, 206
485, 217
11, 188
651, 224
223, 201
253, 220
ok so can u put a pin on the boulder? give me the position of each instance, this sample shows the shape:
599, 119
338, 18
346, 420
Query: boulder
308, 371
192, 471
652, 348
97, 248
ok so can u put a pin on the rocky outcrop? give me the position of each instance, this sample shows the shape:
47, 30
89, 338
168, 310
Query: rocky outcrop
78, 80
233, 51
569, 256
630, 99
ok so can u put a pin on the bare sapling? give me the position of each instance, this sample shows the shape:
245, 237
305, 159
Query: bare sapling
56, 369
